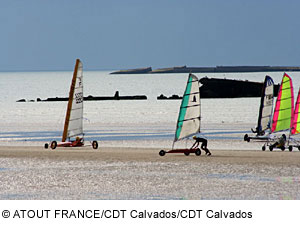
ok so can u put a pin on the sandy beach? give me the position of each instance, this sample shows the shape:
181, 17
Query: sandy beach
140, 173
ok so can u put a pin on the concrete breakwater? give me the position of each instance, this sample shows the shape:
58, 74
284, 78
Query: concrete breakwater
217, 69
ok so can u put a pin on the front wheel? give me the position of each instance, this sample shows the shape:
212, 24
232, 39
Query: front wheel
246, 137
46, 145
282, 148
290, 148
263, 148
198, 152
53, 144
187, 153
271, 148
95, 144
162, 152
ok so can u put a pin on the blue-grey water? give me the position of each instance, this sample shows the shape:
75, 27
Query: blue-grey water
115, 121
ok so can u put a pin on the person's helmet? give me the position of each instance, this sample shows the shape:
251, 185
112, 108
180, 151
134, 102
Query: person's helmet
77, 138
194, 137
284, 136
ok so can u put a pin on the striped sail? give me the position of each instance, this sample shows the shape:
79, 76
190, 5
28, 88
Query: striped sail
284, 108
296, 119
73, 123
266, 106
188, 122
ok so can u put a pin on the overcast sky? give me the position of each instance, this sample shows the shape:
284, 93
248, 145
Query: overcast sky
122, 34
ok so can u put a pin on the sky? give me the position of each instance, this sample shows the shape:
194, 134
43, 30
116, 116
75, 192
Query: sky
46, 35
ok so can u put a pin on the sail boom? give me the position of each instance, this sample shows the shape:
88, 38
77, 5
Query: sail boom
187, 136
184, 107
190, 119
192, 93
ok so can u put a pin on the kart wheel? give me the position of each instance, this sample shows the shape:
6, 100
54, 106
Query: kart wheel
162, 152
299, 148
187, 153
290, 148
271, 148
246, 137
198, 152
53, 144
95, 144
263, 148
46, 145
282, 148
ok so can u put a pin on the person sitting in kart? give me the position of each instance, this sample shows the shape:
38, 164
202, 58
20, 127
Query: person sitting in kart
78, 142
280, 143
203, 145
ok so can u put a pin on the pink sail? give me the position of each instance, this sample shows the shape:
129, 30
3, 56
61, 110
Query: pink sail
296, 120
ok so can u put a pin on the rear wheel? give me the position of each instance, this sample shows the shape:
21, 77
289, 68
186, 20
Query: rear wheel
53, 144
271, 148
246, 137
162, 152
46, 145
282, 148
290, 148
187, 153
198, 152
95, 144
263, 148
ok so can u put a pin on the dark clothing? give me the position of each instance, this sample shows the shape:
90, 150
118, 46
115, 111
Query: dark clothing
280, 143
203, 145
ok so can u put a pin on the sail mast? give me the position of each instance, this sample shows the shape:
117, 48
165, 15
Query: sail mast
71, 95
261, 106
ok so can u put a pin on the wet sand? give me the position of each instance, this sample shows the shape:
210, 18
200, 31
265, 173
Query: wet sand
140, 173
276, 158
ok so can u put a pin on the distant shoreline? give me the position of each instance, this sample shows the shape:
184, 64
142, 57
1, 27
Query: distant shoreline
217, 69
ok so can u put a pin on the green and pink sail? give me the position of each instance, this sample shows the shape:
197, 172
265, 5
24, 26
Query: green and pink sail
296, 119
284, 108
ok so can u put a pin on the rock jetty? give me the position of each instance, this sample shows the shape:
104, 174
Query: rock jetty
92, 98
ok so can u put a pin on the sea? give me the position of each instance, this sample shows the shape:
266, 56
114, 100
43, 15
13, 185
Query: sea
142, 124
129, 123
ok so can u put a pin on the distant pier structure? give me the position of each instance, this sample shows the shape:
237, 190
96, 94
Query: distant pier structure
217, 69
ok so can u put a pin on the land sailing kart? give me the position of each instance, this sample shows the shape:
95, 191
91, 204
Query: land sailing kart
76, 143
272, 146
293, 143
185, 151
188, 122
73, 126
